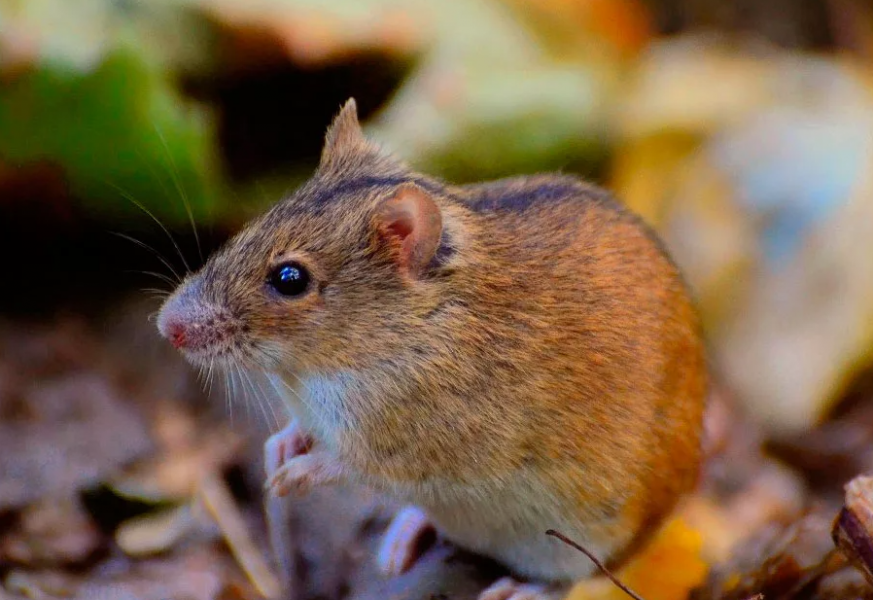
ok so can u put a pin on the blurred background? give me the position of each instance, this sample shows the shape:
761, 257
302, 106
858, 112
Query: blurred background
741, 130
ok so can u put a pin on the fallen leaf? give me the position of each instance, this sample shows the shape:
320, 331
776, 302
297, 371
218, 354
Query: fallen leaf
51, 532
667, 568
777, 561
156, 532
853, 528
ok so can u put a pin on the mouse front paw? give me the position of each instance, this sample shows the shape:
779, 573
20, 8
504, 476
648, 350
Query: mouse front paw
406, 539
303, 472
285, 445
508, 588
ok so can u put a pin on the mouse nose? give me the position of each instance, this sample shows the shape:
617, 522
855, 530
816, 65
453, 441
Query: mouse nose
179, 316
175, 332
197, 327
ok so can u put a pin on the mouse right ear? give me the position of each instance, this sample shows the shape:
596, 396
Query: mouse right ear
344, 135
409, 225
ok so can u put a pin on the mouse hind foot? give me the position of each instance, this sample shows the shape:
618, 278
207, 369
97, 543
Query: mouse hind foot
407, 538
508, 588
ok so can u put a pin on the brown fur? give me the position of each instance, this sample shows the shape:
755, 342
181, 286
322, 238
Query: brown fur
547, 343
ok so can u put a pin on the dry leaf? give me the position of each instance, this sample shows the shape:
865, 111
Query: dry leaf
51, 532
853, 529
777, 561
155, 533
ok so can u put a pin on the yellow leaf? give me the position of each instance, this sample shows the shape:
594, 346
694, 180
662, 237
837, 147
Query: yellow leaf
668, 568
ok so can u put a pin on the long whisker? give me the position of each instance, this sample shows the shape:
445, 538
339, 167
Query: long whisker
254, 396
268, 404
159, 256
156, 275
157, 293
277, 391
302, 398
229, 390
151, 215
201, 377
267, 400
175, 175
247, 405
209, 374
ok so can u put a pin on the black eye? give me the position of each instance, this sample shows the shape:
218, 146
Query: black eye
289, 279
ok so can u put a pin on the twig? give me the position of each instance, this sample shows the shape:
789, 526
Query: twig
597, 563
220, 503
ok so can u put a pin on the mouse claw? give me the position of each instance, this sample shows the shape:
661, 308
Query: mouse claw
508, 588
303, 472
284, 445
407, 538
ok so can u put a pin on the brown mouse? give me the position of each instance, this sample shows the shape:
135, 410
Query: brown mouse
505, 357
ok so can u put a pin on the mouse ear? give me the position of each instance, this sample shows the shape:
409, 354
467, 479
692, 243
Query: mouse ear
344, 134
409, 225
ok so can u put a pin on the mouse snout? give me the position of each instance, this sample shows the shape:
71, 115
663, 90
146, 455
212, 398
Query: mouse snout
185, 334
190, 325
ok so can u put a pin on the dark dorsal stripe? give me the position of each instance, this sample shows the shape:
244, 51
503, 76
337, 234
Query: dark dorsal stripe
350, 187
519, 198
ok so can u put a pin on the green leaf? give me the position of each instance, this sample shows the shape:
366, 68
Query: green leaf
117, 129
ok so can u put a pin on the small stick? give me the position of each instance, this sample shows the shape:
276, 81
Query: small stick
597, 563
220, 504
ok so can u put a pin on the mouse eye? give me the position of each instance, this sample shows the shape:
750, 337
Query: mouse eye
289, 279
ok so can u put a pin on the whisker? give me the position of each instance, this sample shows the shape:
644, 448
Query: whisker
159, 256
246, 405
268, 401
270, 405
200, 377
209, 374
227, 394
156, 293
156, 275
279, 394
151, 215
261, 399
175, 175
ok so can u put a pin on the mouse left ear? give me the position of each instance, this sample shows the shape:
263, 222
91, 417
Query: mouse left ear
344, 135
409, 224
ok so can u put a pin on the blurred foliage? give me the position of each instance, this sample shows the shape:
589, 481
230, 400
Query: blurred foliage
754, 165
751, 160
89, 87
98, 88
745, 138
118, 131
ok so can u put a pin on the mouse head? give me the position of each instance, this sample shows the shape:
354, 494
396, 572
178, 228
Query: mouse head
338, 275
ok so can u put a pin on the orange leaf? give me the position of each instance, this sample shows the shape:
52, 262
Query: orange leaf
668, 568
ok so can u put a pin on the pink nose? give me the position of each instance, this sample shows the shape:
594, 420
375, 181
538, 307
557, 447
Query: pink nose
176, 335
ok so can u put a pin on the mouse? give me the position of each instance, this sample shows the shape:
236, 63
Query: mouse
501, 358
